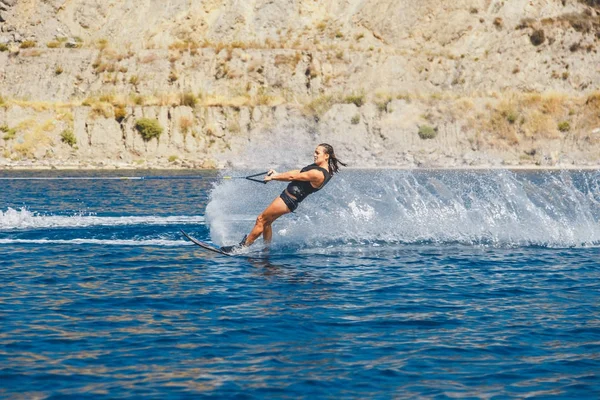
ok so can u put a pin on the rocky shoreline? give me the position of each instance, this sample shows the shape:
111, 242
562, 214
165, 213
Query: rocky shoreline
438, 84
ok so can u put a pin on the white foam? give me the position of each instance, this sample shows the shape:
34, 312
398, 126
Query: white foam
25, 219
108, 242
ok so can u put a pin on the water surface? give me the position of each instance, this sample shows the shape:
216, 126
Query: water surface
385, 284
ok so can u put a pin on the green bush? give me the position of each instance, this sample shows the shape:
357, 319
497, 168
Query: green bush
68, 137
355, 120
10, 133
148, 128
511, 117
3, 47
564, 126
427, 132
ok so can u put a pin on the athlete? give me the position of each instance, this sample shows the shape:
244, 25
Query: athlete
303, 182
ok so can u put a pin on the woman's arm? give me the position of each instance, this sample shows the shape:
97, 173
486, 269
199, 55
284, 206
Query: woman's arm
313, 176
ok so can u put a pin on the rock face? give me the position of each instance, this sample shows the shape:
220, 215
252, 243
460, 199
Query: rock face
502, 83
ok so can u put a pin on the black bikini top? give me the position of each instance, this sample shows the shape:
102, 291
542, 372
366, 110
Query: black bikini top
301, 189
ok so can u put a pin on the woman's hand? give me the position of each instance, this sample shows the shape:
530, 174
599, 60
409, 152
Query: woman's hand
270, 174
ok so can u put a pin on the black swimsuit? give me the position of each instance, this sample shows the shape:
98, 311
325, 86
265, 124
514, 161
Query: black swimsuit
297, 191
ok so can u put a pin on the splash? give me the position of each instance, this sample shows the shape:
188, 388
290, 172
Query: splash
496, 208
26, 219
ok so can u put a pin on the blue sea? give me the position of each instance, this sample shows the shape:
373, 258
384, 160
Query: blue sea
385, 284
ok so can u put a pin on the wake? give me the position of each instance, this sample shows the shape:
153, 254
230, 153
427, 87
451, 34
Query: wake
24, 219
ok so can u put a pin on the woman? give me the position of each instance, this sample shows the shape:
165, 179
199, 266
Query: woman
310, 179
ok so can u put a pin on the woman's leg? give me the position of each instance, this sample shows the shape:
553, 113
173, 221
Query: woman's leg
263, 223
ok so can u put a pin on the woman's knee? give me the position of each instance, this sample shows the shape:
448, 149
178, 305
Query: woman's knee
262, 220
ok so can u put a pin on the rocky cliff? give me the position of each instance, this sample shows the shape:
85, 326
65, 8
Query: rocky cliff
388, 82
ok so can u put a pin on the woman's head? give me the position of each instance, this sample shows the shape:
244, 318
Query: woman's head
326, 151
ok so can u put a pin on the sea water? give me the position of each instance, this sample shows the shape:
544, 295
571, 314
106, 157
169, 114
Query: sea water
421, 284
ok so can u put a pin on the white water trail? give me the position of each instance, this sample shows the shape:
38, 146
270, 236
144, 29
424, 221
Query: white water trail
105, 242
26, 219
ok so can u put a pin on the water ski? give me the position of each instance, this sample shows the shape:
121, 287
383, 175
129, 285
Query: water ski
205, 245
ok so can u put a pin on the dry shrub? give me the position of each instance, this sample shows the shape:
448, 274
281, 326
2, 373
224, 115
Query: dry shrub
540, 125
31, 52
120, 113
35, 136
593, 101
288, 59
461, 108
102, 110
27, 44
262, 98
590, 112
554, 104
234, 126
189, 99
185, 124
168, 99
149, 58
319, 105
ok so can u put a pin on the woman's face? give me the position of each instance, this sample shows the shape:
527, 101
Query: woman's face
320, 156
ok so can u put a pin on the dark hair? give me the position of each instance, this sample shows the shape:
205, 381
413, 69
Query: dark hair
333, 160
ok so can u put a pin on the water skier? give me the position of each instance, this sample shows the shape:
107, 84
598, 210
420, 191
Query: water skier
303, 182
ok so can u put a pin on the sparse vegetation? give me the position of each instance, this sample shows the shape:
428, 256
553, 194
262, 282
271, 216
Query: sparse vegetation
148, 128
320, 105
234, 126
185, 124
564, 126
31, 52
58, 70
120, 113
358, 99
53, 44
3, 47
189, 99
27, 44
382, 102
68, 137
355, 119
511, 117
173, 158
427, 132
9, 133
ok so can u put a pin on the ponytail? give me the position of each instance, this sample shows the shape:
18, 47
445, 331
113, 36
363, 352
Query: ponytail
333, 160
